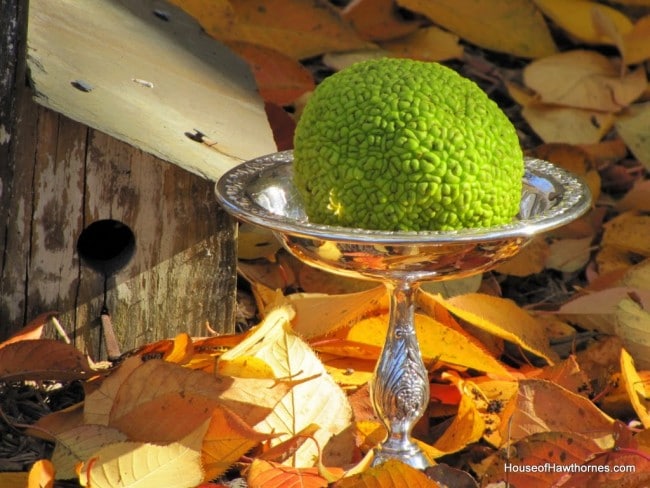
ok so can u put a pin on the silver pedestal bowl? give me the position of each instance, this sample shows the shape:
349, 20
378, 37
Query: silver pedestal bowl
261, 192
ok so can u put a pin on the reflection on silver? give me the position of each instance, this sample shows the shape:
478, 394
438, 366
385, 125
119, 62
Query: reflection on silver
261, 192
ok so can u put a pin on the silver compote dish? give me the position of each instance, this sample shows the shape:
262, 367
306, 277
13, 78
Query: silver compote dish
261, 191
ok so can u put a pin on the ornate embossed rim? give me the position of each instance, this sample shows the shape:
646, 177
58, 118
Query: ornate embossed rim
570, 198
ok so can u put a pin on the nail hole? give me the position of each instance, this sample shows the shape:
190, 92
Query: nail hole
106, 246
82, 85
161, 14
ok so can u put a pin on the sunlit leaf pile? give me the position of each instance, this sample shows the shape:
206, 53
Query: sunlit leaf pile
541, 364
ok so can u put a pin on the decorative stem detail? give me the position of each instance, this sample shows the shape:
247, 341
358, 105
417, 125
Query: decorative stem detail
400, 387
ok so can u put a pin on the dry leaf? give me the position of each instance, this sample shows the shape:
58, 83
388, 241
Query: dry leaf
636, 389
182, 349
557, 449
467, 426
502, 318
636, 43
632, 126
32, 331
42, 359
318, 400
535, 409
638, 198
569, 255
567, 124
129, 464
530, 260
511, 26
631, 325
426, 44
583, 79
41, 475
295, 28
390, 474
265, 474
577, 18
377, 20
437, 342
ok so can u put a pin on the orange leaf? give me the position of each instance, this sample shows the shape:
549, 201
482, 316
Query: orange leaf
33, 330
377, 20
41, 474
182, 350
511, 26
265, 474
502, 318
226, 440
390, 474
426, 44
42, 359
636, 388
467, 427
636, 43
280, 79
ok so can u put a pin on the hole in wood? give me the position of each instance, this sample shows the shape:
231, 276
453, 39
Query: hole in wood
106, 246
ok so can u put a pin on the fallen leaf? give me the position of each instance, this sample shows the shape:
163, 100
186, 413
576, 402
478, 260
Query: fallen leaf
378, 20
502, 318
129, 464
569, 255
32, 331
631, 325
567, 124
534, 410
80, 443
538, 460
42, 359
636, 199
511, 26
632, 127
226, 440
426, 44
636, 42
280, 79
41, 475
265, 474
392, 473
576, 18
583, 79
295, 28
636, 388
182, 349
436, 341
530, 260
317, 400
467, 426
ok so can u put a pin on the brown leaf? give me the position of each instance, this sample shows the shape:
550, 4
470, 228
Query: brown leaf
426, 44
632, 126
510, 26
636, 42
33, 330
377, 20
390, 474
535, 409
42, 359
583, 79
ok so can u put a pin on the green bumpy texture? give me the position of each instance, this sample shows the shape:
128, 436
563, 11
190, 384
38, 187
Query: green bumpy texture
404, 145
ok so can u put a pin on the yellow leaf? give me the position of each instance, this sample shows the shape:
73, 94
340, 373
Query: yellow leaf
437, 342
530, 260
628, 232
293, 27
636, 389
511, 26
502, 318
632, 126
378, 20
14, 480
318, 315
426, 44
583, 79
576, 17
392, 473
632, 321
317, 400
569, 255
41, 475
79, 443
182, 349
467, 427
246, 367
636, 43
128, 464
226, 439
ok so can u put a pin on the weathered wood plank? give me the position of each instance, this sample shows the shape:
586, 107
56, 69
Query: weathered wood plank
148, 80
182, 275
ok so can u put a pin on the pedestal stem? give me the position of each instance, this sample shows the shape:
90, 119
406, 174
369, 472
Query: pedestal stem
400, 387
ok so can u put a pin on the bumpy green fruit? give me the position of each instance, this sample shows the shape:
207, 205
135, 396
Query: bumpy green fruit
397, 144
